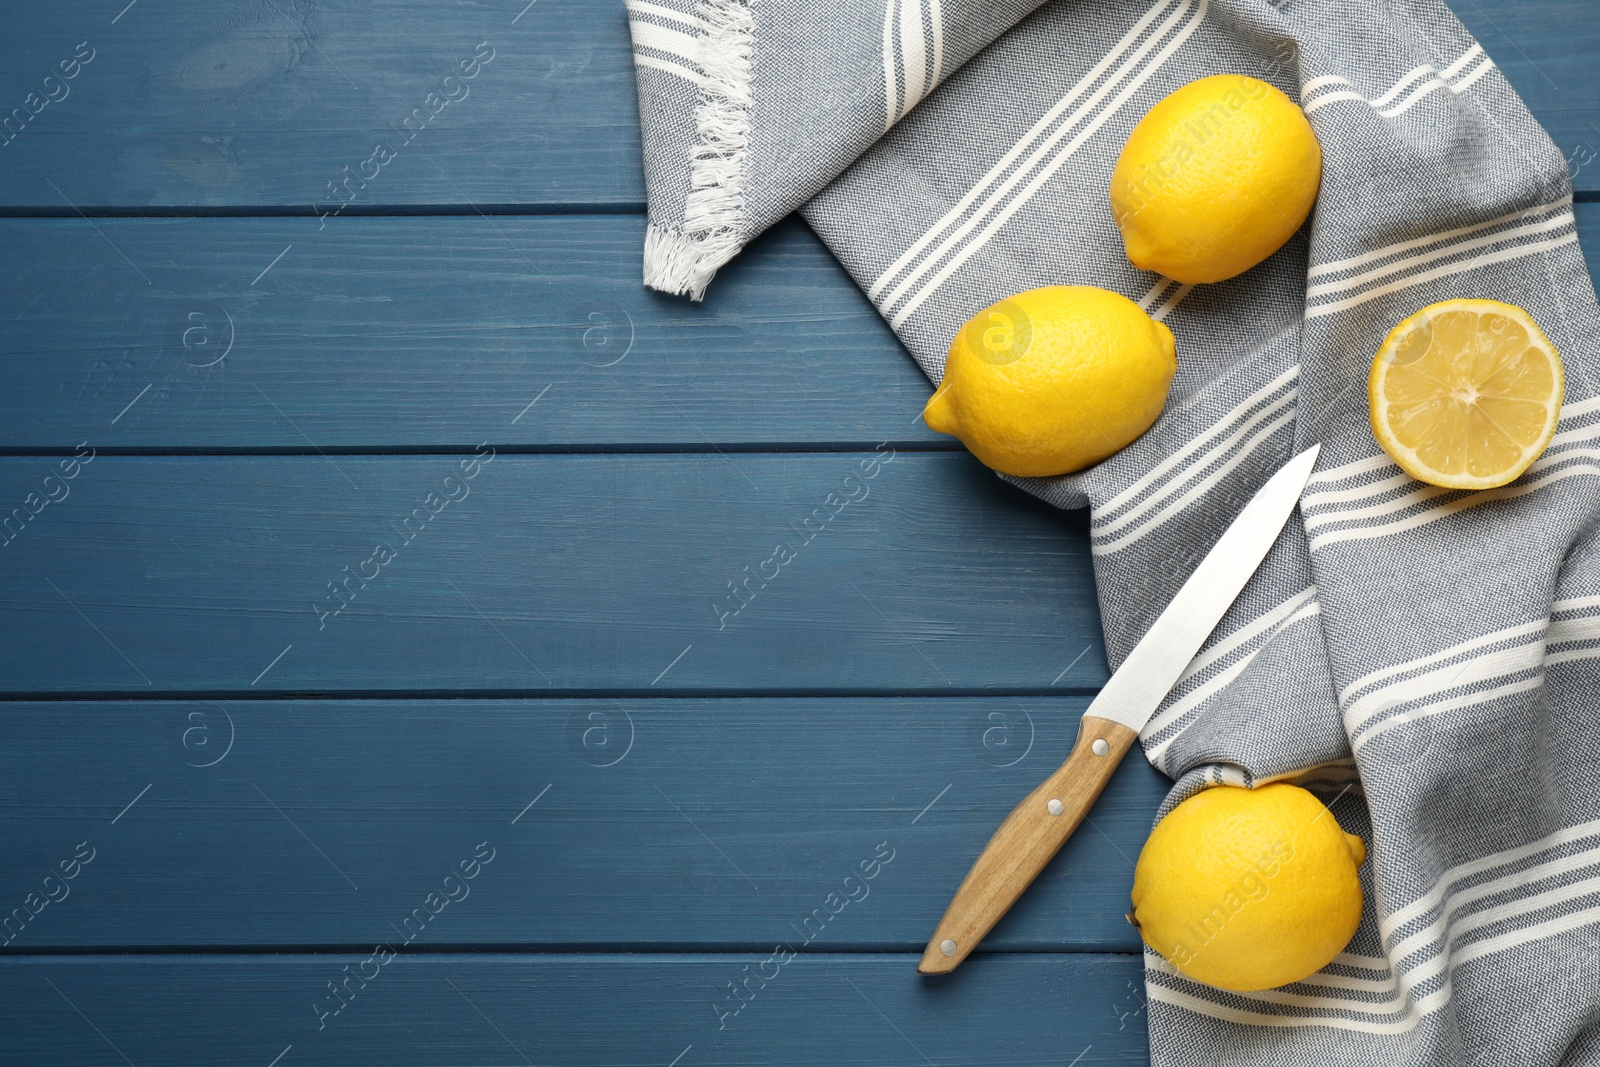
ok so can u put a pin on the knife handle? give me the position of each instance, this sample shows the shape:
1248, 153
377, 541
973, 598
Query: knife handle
1029, 838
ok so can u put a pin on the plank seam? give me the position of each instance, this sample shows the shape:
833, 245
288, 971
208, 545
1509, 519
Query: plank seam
797, 448
654, 695
54, 955
278, 211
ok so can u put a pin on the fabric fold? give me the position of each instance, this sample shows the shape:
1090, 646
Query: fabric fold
1426, 661
749, 109
720, 47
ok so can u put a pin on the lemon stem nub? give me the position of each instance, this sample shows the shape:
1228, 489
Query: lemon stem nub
937, 414
1358, 848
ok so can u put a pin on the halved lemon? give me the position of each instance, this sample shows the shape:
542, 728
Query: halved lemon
1465, 394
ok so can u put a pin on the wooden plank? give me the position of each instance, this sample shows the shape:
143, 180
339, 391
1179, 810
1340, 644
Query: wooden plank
665, 823
584, 1010
257, 103
540, 574
1546, 49
431, 332
245, 103
346, 344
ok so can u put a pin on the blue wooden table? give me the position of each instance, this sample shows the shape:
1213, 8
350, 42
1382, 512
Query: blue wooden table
385, 677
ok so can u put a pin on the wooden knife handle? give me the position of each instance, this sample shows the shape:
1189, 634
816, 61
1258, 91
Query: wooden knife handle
1029, 838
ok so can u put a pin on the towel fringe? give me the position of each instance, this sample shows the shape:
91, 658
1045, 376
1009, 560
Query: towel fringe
683, 260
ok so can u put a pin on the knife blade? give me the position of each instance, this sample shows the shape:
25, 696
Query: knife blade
1037, 828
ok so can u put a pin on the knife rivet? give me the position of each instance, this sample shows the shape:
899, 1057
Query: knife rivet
948, 947
1054, 807
1100, 747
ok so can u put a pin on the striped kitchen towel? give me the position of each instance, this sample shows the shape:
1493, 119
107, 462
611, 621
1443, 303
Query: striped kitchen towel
1427, 661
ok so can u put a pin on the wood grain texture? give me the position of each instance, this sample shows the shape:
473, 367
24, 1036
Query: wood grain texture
432, 332
1026, 842
1546, 49
438, 333
585, 584
263, 103
665, 823
872, 571
220, 1011
250, 103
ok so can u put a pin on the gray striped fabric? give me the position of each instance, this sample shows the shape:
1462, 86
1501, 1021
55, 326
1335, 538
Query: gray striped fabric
1420, 658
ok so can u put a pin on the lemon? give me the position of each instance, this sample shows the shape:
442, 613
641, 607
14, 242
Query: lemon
1465, 394
1248, 888
1053, 380
1215, 179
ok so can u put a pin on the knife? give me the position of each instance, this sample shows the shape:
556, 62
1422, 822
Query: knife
1037, 828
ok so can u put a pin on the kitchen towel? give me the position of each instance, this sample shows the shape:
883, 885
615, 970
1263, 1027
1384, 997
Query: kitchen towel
1427, 661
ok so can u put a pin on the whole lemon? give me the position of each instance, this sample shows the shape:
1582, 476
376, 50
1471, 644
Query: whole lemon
1053, 380
1248, 888
1215, 179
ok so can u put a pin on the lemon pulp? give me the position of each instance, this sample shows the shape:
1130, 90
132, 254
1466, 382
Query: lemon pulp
1466, 394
